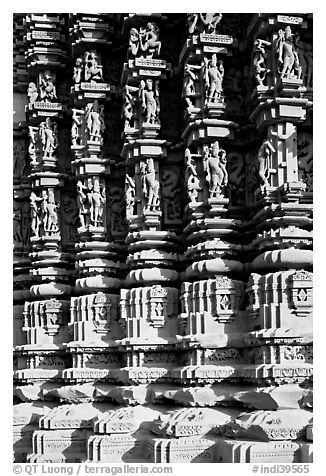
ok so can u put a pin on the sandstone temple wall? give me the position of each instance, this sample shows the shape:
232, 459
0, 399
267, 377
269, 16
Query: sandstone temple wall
163, 237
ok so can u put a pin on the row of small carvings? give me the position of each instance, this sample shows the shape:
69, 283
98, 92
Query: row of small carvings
289, 293
47, 394
71, 429
261, 425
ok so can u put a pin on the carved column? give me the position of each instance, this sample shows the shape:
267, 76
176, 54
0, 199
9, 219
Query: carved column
94, 313
47, 307
149, 299
211, 296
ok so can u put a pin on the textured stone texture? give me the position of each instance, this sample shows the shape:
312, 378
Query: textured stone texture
163, 237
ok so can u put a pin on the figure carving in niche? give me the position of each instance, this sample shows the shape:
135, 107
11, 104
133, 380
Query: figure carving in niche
130, 191
260, 69
191, 179
203, 21
264, 160
95, 121
287, 56
70, 218
128, 105
213, 72
189, 89
19, 158
150, 186
17, 225
32, 93
48, 134
93, 68
215, 168
236, 177
78, 69
81, 199
97, 199
117, 209
35, 213
47, 86
305, 59
50, 211
305, 159
75, 128
149, 98
170, 192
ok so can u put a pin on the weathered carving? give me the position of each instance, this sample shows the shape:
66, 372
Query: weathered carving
305, 159
171, 194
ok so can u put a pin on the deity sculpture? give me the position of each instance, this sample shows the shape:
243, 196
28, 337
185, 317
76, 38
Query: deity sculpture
264, 162
50, 210
78, 69
32, 93
260, 69
47, 86
93, 68
213, 73
149, 98
97, 199
150, 186
130, 192
95, 121
191, 179
35, 213
48, 135
287, 55
203, 21
190, 77
215, 167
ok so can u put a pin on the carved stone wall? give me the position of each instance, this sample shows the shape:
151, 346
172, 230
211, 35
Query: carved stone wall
163, 238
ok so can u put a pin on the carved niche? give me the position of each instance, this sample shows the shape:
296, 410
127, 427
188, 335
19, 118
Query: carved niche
101, 309
301, 292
